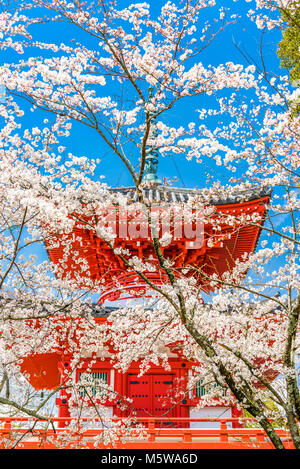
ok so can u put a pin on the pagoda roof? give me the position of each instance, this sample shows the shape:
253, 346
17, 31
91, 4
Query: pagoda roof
99, 310
159, 193
211, 252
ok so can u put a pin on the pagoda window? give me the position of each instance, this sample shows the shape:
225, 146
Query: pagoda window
203, 389
93, 384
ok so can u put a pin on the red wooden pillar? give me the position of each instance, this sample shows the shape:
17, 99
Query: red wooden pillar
63, 401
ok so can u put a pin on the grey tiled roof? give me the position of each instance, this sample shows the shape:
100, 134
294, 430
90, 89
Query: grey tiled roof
98, 310
159, 193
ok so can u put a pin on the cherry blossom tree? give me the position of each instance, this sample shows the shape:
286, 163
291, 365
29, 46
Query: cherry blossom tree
247, 331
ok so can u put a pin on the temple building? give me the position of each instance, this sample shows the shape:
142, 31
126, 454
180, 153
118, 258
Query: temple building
210, 252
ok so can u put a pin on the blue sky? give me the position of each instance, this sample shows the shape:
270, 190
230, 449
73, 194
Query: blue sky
243, 35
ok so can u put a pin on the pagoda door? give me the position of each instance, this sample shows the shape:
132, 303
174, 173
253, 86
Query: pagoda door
151, 396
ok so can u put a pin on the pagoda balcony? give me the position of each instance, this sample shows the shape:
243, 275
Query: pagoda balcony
154, 433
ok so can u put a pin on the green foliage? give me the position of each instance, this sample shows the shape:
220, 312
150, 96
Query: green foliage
288, 49
275, 414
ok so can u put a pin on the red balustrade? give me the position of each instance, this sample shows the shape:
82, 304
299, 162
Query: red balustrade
29, 433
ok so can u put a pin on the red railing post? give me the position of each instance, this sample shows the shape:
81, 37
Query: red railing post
260, 437
151, 430
187, 437
7, 425
223, 431
246, 440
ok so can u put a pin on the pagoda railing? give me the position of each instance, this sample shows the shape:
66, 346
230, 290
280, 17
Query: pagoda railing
188, 433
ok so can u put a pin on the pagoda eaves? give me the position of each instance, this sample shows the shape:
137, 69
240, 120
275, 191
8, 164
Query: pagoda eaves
214, 254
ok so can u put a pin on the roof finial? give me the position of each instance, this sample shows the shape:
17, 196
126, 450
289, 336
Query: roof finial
151, 161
